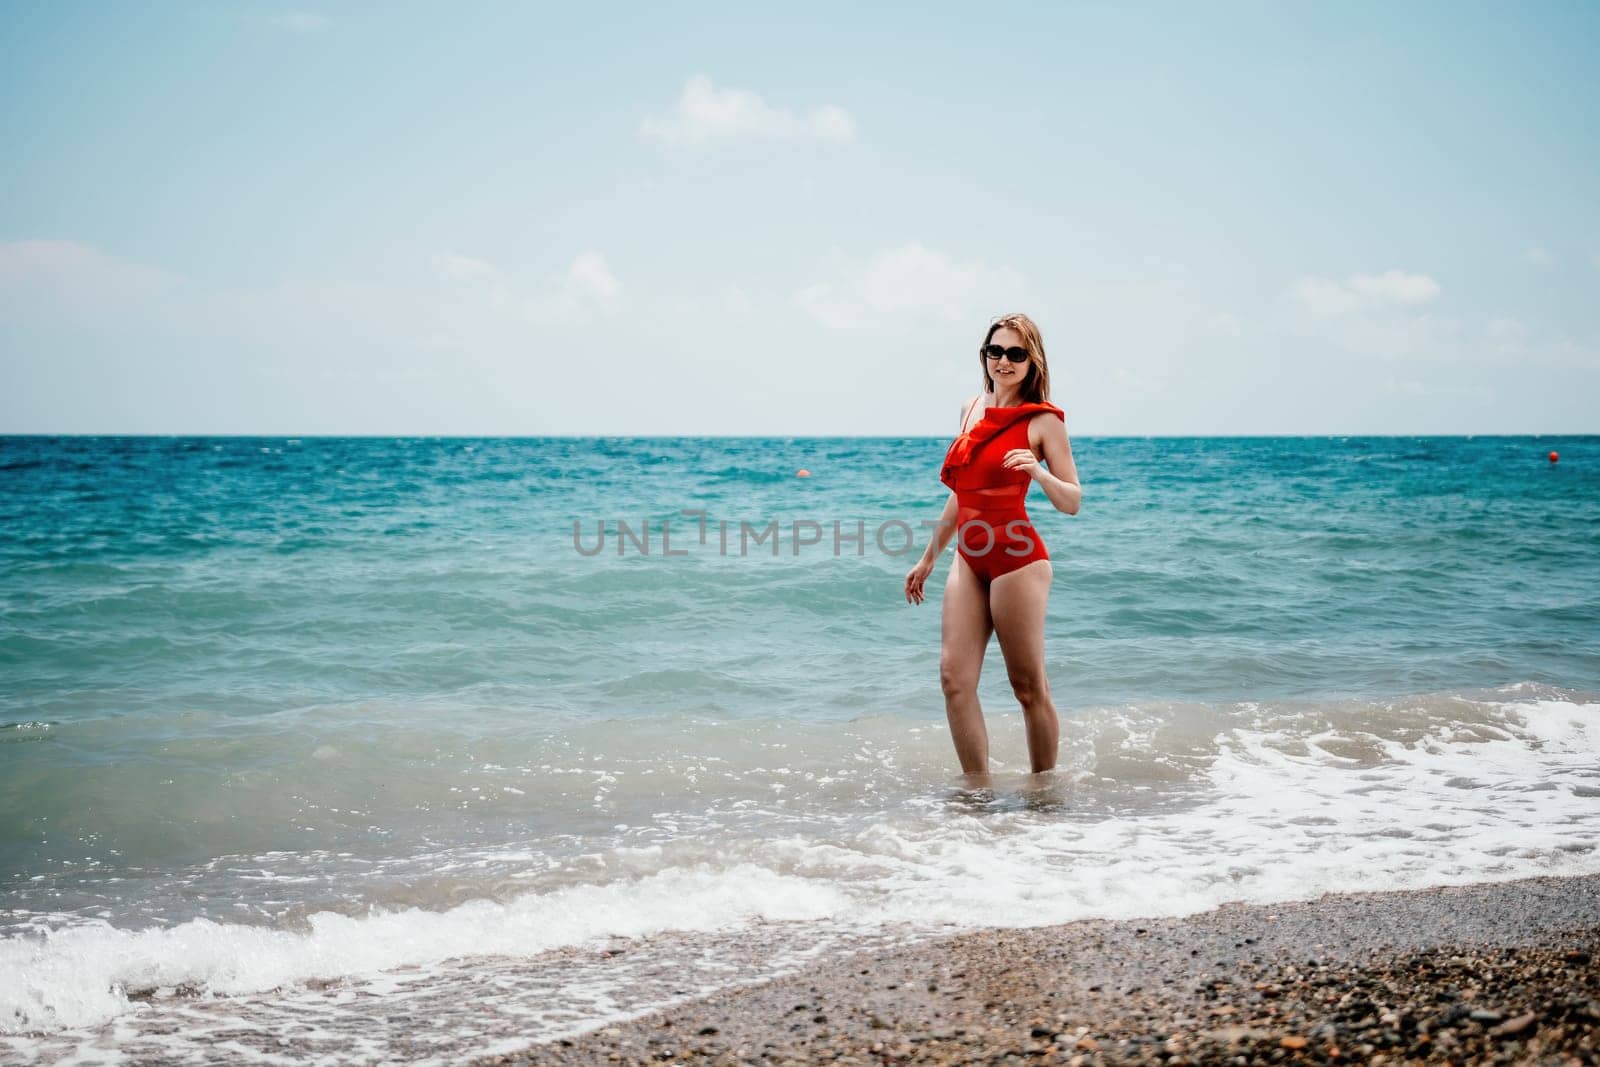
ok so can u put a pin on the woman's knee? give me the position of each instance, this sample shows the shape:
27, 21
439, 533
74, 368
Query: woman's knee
1030, 687
957, 678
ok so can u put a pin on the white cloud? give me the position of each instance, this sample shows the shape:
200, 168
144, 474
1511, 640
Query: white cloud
1461, 392
459, 303
908, 284
459, 268
1397, 335
1508, 335
1537, 257
73, 264
1378, 315
67, 281
704, 113
1567, 353
1384, 315
299, 21
1226, 324
588, 288
1327, 298
1162, 267
735, 301
1395, 287
591, 275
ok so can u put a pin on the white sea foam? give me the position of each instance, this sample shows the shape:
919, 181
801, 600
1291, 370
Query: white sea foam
1276, 815
81, 976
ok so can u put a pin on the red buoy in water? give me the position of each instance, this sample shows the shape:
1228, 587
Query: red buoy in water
1554, 456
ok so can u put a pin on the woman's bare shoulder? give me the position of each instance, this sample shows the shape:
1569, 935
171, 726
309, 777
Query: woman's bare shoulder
973, 402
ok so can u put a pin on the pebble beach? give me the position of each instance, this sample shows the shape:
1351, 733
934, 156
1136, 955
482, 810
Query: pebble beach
1485, 973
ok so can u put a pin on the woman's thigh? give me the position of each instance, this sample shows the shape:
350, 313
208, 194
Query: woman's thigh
1017, 604
965, 624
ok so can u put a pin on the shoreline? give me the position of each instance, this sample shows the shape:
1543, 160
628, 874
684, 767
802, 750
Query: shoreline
1490, 971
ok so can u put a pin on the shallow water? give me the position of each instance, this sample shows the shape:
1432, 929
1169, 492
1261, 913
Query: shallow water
363, 714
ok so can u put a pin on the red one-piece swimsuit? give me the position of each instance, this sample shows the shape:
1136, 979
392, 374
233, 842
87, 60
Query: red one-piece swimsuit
993, 533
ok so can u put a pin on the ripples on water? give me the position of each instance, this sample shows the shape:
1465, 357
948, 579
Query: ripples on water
356, 711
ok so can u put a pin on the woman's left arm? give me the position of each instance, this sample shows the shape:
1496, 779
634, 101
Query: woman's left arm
1060, 482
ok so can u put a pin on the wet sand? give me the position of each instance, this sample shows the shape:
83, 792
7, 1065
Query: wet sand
1500, 972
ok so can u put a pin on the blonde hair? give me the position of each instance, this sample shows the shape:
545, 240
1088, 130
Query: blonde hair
1036, 386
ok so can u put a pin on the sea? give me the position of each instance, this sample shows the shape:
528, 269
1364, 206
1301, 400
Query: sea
413, 749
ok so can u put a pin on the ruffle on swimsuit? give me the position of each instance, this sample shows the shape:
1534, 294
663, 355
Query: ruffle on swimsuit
995, 421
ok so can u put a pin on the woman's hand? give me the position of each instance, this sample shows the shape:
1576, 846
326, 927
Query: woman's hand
914, 579
1022, 459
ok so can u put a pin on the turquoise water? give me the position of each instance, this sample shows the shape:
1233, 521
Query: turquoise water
263, 684
241, 577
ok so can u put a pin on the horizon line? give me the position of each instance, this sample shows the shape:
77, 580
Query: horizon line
753, 436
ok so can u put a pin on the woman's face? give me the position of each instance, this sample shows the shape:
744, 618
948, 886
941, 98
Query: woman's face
1003, 371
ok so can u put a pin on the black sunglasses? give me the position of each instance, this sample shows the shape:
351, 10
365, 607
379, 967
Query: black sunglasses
1015, 355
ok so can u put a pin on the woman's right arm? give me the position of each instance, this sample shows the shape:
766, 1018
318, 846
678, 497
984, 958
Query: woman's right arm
944, 532
918, 575
947, 518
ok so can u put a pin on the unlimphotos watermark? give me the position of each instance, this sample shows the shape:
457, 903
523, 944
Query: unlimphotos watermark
892, 537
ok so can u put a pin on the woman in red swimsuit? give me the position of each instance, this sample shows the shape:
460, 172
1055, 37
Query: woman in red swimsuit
1000, 579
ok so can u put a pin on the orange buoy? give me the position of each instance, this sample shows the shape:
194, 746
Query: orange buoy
803, 473
1554, 456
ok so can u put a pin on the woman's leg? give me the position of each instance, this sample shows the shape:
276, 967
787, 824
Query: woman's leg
965, 627
1017, 601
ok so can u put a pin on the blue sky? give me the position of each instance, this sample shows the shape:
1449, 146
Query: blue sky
522, 219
